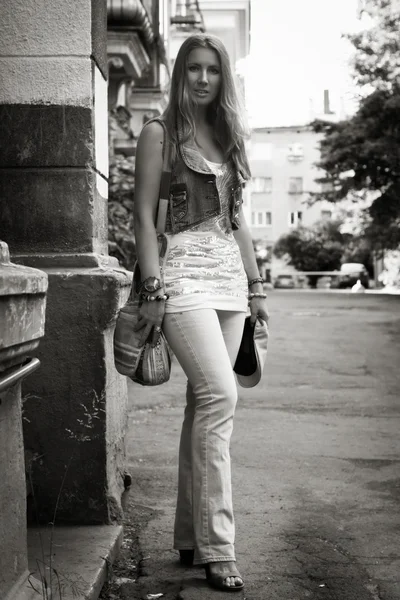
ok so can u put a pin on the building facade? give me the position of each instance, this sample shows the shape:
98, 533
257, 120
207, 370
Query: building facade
138, 67
282, 161
229, 20
138, 59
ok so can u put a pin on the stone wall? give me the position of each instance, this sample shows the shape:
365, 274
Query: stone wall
53, 214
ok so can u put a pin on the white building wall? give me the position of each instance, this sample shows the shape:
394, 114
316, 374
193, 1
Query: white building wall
283, 153
230, 21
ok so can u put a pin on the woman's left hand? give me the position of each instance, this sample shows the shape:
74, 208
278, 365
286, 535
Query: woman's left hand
258, 310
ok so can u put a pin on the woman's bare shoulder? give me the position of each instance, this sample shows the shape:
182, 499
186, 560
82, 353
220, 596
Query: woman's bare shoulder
149, 150
152, 133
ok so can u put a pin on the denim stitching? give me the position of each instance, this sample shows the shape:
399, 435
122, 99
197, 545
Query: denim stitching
204, 561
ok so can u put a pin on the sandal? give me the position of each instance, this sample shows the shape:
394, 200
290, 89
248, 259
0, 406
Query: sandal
186, 557
218, 580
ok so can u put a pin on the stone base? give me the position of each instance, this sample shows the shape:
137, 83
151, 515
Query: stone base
26, 588
80, 555
75, 404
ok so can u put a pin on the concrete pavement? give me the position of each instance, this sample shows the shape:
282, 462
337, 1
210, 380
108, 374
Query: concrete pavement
316, 462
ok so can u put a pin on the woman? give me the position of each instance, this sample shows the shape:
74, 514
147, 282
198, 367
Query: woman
210, 278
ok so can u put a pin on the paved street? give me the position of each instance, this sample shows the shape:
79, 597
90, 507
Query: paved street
316, 460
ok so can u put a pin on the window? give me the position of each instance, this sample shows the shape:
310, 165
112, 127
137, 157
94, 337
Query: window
295, 185
261, 218
326, 215
295, 218
261, 185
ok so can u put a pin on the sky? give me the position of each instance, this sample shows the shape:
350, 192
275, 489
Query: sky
296, 52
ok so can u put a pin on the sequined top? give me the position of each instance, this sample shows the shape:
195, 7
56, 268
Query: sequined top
204, 268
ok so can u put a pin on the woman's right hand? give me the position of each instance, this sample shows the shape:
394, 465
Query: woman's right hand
151, 316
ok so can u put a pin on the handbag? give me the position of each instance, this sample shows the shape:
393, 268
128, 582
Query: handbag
252, 353
146, 364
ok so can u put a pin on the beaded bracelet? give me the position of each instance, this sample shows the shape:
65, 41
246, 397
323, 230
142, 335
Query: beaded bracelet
149, 298
256, 295
256, 280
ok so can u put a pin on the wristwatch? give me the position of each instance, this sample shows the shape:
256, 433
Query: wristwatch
151, 284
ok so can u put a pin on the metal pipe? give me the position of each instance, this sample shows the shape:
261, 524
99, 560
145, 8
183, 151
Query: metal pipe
15, 374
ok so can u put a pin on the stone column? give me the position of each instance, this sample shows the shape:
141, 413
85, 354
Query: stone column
53, 215
22, 316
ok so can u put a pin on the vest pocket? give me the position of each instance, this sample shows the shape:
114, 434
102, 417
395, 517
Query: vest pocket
236, 202
178, 201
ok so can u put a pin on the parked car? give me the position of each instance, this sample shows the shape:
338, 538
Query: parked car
284, 281
350, 273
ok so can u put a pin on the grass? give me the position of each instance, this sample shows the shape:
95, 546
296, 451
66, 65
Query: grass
47, 581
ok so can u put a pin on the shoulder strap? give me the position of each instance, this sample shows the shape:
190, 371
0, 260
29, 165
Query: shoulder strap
164, 183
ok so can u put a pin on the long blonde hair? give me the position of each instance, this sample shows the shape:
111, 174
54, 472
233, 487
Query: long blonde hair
226, 114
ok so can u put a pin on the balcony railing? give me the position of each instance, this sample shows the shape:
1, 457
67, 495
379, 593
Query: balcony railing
188, 16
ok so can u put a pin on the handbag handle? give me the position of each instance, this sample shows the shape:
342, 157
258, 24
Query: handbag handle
164, 183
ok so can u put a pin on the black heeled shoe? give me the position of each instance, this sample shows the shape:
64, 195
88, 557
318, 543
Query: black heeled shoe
186, 557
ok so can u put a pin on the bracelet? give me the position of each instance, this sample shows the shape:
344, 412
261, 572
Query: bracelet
149, 298
257, 295
156, 284
256, 280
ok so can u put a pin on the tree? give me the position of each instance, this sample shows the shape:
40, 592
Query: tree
318, 248
361, 155
121, 238
376, 62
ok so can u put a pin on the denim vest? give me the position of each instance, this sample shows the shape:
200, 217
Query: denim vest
193, 194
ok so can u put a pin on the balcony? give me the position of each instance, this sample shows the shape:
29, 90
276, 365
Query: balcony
130, 38
188, 17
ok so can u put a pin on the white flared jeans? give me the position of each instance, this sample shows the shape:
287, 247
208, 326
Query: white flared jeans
206, 343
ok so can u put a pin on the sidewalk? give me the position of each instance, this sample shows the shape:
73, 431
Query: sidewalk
147, 563
316, 463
